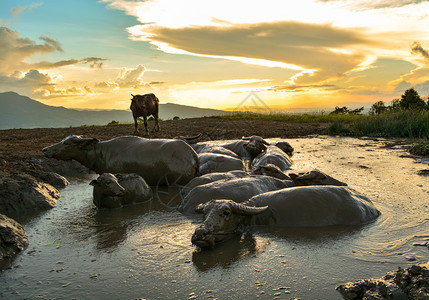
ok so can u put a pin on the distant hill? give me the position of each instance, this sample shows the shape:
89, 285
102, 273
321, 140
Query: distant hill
18, 111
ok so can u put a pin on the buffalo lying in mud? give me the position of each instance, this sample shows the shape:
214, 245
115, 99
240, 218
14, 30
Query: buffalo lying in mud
113, 191
310, 206
215, 163
240, 186
246, 148
158, 161
272, 155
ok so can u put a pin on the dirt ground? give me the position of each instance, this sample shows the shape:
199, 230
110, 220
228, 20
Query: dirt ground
18, 147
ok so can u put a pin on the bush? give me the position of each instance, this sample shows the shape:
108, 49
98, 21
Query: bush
378, 108
410, 124
113, 123
420, 148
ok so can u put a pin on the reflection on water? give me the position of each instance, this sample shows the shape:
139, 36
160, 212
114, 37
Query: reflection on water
225, 254
144, 250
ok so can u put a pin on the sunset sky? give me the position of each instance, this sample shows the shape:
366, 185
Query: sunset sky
214, 54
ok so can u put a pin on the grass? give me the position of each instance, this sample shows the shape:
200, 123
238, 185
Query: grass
402, 124
299, 118
420, 148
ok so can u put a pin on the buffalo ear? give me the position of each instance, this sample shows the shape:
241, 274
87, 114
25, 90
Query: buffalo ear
93, 182
90, 141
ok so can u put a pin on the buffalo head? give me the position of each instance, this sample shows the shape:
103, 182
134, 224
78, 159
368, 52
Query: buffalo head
222, 220
315, 177
69, 148
255, 145
285, 147
270, 170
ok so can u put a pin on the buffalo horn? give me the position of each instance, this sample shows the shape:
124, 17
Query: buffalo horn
307, 175
247, 210
191, 137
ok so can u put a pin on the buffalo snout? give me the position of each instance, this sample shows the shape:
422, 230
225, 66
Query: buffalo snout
202, 238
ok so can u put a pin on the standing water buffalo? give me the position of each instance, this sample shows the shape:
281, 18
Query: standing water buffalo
144, 106
158, 161
310, 206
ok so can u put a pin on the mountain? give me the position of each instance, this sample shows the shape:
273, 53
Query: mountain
18, 111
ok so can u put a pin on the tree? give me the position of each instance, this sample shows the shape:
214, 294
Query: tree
356, 111
396, 105
378, 108
345, 111
340, 110
410, 99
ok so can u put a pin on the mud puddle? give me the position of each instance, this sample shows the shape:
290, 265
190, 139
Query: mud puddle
144, 251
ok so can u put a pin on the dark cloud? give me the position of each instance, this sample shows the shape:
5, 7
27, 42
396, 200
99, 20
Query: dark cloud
309, 46
402, 86
14, 51
94, 62
52, 43
423, 88
416, 48
51, 65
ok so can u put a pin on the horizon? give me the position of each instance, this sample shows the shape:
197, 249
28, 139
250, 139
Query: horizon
218, 55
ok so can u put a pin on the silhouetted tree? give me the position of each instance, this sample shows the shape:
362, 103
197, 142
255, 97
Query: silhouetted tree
396, 105
340, 110
356, 111
344, 110
378, 108
410, 99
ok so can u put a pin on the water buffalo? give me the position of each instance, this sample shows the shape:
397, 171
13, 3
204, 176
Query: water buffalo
248, 147
273, 155
204, 148
215, 162
210, 177
158, 161
144, 106
240, 186
285, 147
236, 189
314, 177
113, 191
312, 206
270, 170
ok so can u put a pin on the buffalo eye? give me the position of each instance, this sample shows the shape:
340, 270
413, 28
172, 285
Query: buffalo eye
226, 213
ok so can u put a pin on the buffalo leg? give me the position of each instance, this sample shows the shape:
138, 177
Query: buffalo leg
145, 125
156, 125
135, 125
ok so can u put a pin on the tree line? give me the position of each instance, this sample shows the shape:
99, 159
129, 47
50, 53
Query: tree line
410, 100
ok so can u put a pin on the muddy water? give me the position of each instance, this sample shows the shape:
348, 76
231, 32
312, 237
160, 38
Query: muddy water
144, 251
